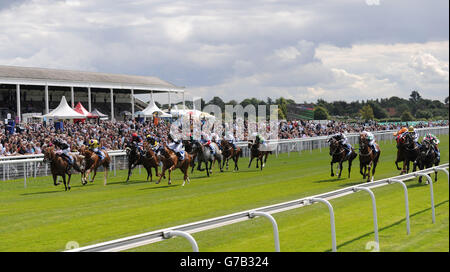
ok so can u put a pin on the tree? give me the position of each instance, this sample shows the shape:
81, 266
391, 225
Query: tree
415, 97
426, 114
320, 113
406, 116
366, 112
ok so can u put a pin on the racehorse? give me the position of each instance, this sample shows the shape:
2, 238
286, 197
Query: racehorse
204, 154
338, 155
367, 158
426, 158
93, 162
230, 153
259, 155
60, 167
149, 161
171, 162
407, 152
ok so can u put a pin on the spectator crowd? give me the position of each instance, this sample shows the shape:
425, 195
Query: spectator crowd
31, 137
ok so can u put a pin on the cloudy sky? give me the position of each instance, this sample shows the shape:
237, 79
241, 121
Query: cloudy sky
299, 49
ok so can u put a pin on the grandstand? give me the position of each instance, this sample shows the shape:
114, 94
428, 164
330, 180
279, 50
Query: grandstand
38, 90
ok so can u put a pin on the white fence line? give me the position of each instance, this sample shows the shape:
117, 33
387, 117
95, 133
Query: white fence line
158, 235
14, 167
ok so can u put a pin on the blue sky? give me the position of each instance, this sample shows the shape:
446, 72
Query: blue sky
303, 50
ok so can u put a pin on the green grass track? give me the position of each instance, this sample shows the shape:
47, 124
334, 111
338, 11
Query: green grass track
43, 217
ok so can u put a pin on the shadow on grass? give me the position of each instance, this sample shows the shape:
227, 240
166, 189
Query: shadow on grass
59, 188
388, 226
161, 187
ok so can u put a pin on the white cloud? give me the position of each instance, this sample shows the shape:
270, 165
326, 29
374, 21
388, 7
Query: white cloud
238, 49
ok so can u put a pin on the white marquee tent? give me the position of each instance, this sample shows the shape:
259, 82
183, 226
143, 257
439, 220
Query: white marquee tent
153, 108
64, 111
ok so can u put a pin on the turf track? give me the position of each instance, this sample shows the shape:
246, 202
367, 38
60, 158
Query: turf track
44, 218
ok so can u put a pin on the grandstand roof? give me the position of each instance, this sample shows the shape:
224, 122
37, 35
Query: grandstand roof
69, 78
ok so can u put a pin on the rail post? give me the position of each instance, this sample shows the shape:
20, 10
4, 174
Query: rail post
405, 189
374, 211
276, 238
430, 181
443, 170
25, 175
171, 233
330, 209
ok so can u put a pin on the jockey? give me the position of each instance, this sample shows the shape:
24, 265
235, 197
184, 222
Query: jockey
371, 139
431, 138
230, 138
400, 133
206, 141
93, 146
343, 141
177, 147
414, 134
259, 139
64, 150
153, 142
137, 141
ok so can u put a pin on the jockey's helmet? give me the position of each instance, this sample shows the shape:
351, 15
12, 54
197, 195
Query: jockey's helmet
411, 129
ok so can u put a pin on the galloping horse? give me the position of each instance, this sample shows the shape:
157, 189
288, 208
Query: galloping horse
93, 162
256, 153
426, 158
230, 153
367, 158
60, 167
407, 152
204, 154
338, 155
149, 161
170, 162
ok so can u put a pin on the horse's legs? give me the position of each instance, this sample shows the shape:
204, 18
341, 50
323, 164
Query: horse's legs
95, 173
186, 177
373, 169
332, 174
163, 171
349, 167
68, 181
250, 162
55, 177
361, 167
340, 169
369, 166
206, 165
236, 165
64, 180
170, 179
129, 172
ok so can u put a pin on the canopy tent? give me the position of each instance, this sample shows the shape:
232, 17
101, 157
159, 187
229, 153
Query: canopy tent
100, 115
151, 109
64, 111
80, 109
194, 113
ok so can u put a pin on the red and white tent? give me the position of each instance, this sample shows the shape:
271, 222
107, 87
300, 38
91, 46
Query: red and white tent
80, 109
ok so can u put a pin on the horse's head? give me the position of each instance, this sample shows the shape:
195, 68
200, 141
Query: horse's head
408, 140
334, 146
426, 147
49, 154
363, 141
